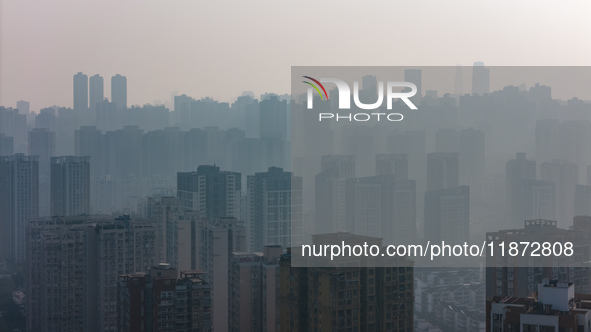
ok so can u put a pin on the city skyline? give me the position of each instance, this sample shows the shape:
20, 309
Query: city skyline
152, 32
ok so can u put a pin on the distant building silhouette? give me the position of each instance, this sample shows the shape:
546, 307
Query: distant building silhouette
70, 186
565, 177
442, 170
480, 79
6, 145
119, 91
42, 143
415, 76
330, 192
80, 92
393, 164
381, 206
96, 91
447, 215
23, 107
214, 193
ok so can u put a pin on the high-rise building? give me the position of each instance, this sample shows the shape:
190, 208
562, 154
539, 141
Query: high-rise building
415, 76
565, 177
517, 170
393, 164
107, 115
59, 272
73, 265
42, 144
442, 170
119, 91
70, 186
274, 208
13, 124
23, 107
330, 192
447, 215
160, 301
254, 290
273, 118
512, 276
89, 141
458, 81
6, 145
470, 145
381, 206
19, 201
212, 192
96, 92
583, 201
219, 238
182, 235
160, 210
80, 92
345, 298
480, 79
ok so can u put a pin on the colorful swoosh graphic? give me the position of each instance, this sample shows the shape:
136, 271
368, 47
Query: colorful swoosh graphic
316, 87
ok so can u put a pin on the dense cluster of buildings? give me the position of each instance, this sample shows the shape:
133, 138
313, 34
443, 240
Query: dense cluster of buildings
144, 219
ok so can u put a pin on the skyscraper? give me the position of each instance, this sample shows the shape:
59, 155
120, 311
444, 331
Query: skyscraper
23, 107
517, 169
447, 215
583, 201
393, 164
442, 170
219, 238
273, 117
274, 209
70, 186
380, 206
254, 290
330, 192
415, 76
89, 141
565, 177
212, 192
480, 79
348, 298
161, 301
119, 91
80, 92
42, 144
6, 145
19, 201
96, 91
73, 266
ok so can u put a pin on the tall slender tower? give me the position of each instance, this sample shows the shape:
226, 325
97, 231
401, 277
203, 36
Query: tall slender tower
80, 92
96, 91
119, 91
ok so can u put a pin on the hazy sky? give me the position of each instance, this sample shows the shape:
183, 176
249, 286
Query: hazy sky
221, 48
